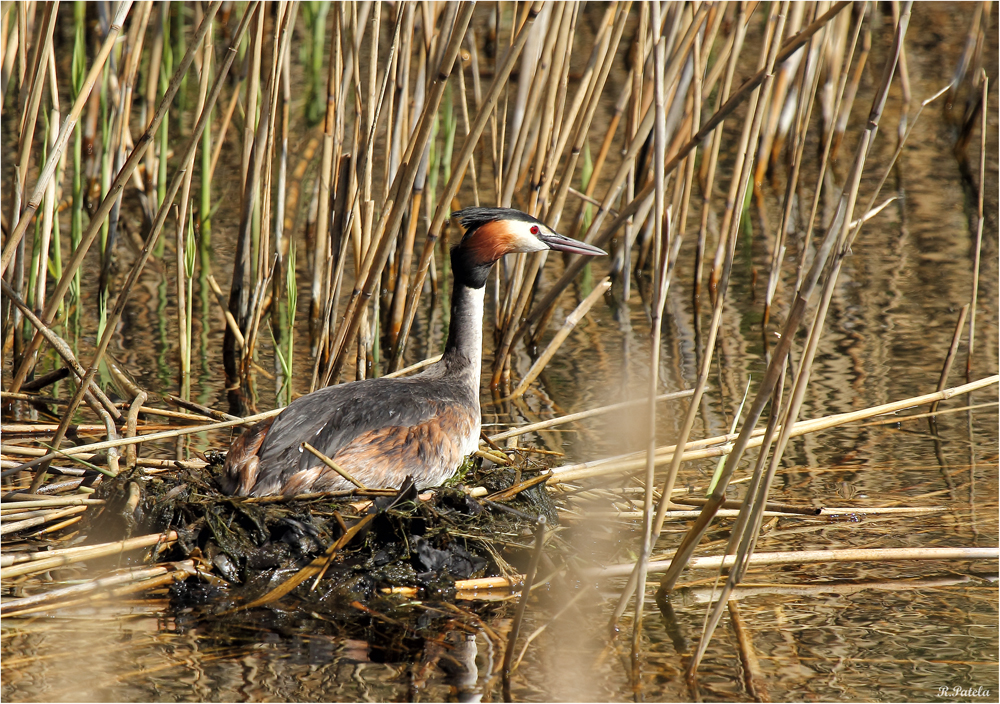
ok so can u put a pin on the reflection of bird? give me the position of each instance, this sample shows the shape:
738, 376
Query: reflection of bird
381, 430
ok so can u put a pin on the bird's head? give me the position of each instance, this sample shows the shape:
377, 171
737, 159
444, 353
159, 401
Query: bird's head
490, 233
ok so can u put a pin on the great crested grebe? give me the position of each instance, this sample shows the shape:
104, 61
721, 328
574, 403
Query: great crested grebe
382, 430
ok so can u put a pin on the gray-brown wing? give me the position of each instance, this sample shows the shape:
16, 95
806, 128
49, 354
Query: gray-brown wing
353, 424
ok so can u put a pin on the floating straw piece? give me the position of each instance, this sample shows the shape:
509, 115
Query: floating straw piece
664, 455
46, 560
762, 559
541, 425
8, 528
126, 577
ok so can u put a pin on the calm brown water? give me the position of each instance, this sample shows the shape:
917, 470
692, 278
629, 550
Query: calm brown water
905, 631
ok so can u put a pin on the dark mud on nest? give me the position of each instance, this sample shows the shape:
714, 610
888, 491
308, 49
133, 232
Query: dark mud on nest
355, 547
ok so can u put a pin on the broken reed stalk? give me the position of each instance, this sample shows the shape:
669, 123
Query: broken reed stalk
687, 515
952, 352
979, 227
572, 417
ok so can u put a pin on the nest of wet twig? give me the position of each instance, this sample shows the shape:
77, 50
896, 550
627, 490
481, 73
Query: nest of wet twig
359, 544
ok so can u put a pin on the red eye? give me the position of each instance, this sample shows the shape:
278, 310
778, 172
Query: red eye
534, 229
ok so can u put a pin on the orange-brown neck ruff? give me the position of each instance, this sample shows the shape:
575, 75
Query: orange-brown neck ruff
488, 242
474, 256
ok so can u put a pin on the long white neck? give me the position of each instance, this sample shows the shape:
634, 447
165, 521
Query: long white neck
463, 353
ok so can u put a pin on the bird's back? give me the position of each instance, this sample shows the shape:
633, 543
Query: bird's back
378, 430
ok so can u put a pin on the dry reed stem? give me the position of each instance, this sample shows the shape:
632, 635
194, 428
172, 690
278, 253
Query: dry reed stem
472, 586
126, 577
333, 465
694, 594
721, 272
758, 560
165, 435
164, 207
529, 578
776, 367
979, 227
661, 244
442, 209
811, 73
827, 146
685, 515
752, 676
952, 352
13, 503
807, 557
49, 169
185, 278
18, 526
523, 287
231, 323
572, 417
561, 475
20, 564
576, 263
390, 221
751, 523
97, 219
571, 321
315, 567
94, 394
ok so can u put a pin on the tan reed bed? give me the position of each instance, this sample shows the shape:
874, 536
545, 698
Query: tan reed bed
405, 121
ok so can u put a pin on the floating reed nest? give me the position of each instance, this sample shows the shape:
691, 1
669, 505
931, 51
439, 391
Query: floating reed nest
323, 553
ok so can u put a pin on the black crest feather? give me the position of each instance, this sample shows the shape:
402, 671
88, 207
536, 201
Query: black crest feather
472, 218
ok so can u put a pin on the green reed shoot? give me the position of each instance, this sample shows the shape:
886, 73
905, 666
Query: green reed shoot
311, 55
36, 247
190, 249
105, 170
78, 70
292, 293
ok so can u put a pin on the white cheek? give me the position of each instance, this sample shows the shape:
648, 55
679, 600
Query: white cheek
524, 241
530, 244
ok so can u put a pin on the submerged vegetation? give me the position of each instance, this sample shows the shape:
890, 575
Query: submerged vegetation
236, 156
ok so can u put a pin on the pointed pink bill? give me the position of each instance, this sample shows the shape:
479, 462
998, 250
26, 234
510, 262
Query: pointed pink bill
567, 244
